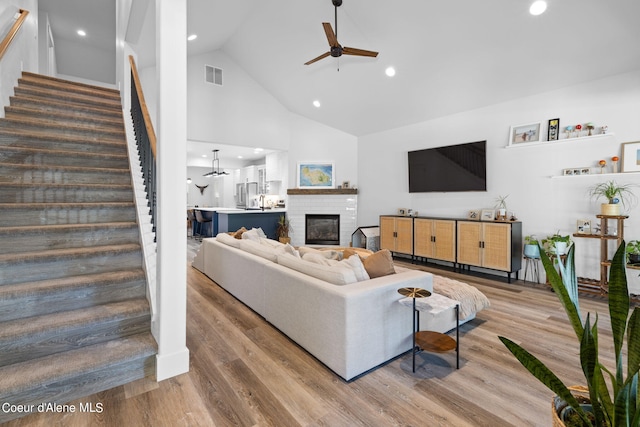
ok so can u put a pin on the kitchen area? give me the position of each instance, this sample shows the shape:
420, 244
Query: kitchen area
237, 190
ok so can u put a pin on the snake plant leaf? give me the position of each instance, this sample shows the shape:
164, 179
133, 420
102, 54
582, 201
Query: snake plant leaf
622, 407
570, 306
618, 298
633, 343
589, 363
569, 276
543, 374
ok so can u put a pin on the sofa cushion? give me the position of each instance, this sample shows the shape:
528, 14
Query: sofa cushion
316, 258
256, 248
338, 275
355, 263
379, 264
228, 239
329, 253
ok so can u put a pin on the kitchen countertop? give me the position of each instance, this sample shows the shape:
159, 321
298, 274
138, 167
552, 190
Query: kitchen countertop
239, 211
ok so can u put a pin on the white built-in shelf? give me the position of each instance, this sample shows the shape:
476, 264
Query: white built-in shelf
560, 141
595, 175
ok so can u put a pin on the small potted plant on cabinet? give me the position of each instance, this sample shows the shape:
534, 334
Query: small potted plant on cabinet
282, 229
633, 252
615, 194
501, 206
531, 247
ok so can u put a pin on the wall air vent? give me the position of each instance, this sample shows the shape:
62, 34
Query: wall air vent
213, 75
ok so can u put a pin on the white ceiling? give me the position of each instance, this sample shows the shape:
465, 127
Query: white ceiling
450, 56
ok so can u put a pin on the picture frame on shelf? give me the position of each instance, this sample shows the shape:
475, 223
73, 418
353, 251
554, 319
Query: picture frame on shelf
473, 215
584, 226
346, 184
402, 211
522, 134
630, 158
316, 175
553, 130
576, 171
488, 215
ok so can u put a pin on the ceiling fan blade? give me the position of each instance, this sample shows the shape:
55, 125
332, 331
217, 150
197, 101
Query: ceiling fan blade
331, 36
358, 52
324, 55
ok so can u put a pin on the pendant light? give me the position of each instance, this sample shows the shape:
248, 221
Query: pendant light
215, 166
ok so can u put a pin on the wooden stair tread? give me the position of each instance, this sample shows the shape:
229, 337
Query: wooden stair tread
26, 75
78, 110
74, 362
60, 137
49, 152
79, 253
65, 167
65, 127
40, 325
35, 229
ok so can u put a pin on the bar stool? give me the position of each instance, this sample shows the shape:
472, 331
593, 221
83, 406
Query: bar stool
193, 222
203, 223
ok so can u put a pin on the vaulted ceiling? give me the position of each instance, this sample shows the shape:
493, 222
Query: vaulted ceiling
450, 56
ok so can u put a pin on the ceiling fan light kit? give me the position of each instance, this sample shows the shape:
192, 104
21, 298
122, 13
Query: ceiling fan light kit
336, 50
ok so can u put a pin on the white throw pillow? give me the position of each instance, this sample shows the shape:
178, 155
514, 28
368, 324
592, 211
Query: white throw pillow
254, 234
338, 275
317, 258
288, 249
227, 239
355, 263
328, 254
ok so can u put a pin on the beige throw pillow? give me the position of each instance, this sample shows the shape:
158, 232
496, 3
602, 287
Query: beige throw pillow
379, 264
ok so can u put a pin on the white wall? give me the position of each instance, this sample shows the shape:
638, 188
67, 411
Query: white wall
544, 205
240, 112
88, 62
22, 54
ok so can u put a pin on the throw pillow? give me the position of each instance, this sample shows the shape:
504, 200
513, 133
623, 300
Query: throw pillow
379, 264
228, 239
253, 234
238, 234
355, 263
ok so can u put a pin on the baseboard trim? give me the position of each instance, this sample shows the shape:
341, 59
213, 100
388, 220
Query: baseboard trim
171, 365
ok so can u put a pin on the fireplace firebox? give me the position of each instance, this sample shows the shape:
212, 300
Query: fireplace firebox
322, 229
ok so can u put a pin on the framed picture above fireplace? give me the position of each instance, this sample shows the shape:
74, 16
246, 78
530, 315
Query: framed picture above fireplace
316, 175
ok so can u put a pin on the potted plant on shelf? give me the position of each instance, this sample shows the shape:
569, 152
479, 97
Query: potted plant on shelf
282, 229
615, 194
501, 206
633, 252
531, 247
556, 244
601, 407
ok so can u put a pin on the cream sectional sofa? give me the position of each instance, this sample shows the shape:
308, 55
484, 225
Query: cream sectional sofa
351, 327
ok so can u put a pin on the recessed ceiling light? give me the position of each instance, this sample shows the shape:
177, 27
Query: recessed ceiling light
390, 71
82, 33
316, 103
239, 157
204, 155
538, 7
192, 37
258, 150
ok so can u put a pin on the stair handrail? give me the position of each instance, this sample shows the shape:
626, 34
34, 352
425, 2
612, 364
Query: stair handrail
13, 31
145, 138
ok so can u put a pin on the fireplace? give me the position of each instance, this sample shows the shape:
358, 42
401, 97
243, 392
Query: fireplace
322, 229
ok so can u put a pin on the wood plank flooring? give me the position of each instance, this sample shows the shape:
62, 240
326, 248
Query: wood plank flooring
244, 372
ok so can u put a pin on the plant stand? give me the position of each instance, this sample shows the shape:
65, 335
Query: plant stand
600, 286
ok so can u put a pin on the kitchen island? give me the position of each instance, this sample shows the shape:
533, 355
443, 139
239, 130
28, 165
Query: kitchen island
229, 219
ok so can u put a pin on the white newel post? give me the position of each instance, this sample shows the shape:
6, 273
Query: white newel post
171, 63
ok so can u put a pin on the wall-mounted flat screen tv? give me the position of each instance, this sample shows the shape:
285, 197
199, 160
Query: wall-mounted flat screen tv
460, 167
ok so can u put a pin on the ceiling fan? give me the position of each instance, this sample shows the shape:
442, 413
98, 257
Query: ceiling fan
335, 49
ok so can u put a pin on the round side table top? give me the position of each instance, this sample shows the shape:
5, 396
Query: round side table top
414, 292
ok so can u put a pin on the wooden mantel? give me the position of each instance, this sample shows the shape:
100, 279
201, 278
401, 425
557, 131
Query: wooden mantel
320, 191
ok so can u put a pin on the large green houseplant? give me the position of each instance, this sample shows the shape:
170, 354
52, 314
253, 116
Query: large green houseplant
614, 402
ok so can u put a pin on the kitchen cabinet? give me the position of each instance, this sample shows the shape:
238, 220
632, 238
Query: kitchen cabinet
396, 234
276, 165
435, 238
493, 245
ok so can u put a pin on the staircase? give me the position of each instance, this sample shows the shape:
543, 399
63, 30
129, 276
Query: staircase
74, 318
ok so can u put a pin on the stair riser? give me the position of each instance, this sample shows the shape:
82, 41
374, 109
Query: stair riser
77, 387
65, 98
34, 346
54, 268
21, 174
37, 194
28, 157
53, 143
54, 215
38, 304
63, 119
67, 87
62, 129
77, 110
38, 241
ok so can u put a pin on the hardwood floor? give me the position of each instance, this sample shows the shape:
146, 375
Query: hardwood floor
244, 372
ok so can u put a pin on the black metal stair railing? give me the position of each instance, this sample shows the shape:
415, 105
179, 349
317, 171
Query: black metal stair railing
145, 140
